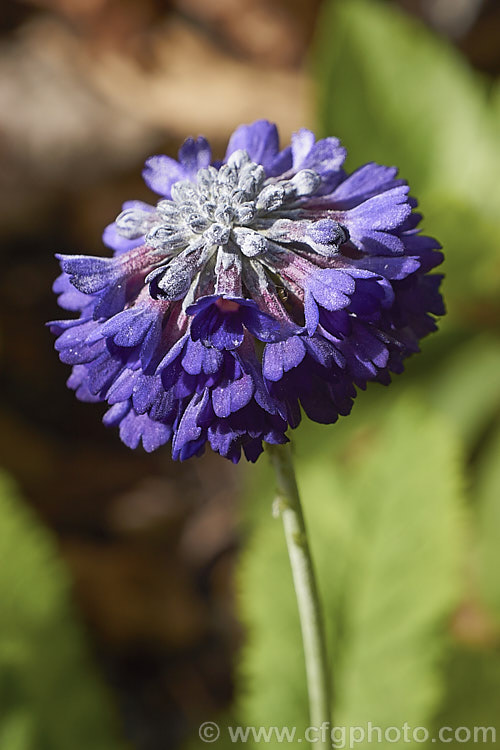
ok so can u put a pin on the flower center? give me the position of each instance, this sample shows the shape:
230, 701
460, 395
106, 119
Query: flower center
220, 201
227, 305
229, 212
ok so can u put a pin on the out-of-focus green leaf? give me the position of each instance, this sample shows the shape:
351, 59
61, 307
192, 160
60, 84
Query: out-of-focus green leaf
473, 686
397, 94
470, 239
416, 102
385, 531
404, 574
488, 508
466, 388
16, 731
50, 696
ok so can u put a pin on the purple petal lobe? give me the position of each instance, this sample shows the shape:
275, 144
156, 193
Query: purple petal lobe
194, 155
233, 396
364, 183
261, 141
282, 357
114, 240
160, 172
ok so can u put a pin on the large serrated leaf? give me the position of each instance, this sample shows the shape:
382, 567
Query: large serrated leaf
50, 695
488, 509
397, 94
385, 531
416, 101
466, 388
405, 577
471, 705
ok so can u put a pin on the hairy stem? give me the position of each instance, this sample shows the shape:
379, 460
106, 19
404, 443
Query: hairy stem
287, 504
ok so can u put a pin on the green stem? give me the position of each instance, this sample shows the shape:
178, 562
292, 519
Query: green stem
288, 505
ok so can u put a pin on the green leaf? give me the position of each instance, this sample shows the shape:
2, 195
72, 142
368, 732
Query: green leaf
465, 389
17, 731
404, 576
397, 94
385, 532
473, 687
487, 493
50, 695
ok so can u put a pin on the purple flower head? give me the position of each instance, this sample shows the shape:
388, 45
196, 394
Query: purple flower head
256, 288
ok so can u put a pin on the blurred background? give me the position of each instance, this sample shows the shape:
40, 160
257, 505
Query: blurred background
129, 613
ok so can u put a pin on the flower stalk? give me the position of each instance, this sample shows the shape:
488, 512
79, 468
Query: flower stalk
288, 505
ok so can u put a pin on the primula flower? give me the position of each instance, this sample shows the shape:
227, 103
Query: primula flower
266, 284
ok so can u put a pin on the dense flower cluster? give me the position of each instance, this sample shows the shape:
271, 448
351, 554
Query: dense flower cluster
267, 282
